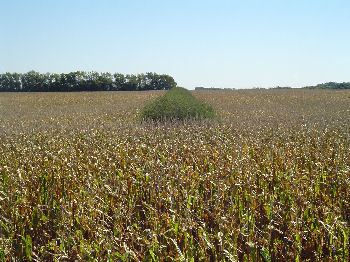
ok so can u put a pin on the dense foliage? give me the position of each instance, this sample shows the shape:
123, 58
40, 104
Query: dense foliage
82, 179
330, 85
177, 104
83, 81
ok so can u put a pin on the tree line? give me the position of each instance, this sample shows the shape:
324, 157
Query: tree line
33, 81
201, 88
330, 85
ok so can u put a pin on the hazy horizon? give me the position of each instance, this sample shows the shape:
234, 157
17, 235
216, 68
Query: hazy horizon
222, 44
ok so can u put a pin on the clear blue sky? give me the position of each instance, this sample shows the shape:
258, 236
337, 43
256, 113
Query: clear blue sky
219, 43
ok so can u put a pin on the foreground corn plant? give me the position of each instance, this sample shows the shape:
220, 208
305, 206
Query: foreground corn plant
82, 179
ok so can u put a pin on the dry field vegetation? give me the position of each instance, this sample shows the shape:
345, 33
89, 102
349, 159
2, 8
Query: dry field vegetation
81, 178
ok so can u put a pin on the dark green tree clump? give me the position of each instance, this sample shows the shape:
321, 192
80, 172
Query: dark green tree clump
330, 85
83, 81
177, 104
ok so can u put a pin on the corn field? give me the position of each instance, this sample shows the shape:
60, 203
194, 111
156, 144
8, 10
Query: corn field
82, 178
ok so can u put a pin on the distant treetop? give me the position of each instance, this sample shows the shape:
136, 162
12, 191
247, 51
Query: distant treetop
330, 85
83, 81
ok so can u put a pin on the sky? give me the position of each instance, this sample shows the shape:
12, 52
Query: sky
209, 43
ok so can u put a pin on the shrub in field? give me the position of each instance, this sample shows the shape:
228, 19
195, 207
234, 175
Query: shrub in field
177, 104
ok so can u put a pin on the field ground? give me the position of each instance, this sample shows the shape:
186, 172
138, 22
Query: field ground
269, 180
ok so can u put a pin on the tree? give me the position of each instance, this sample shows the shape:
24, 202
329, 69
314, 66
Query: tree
33, 82
118, 81
10, 82
130, 83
